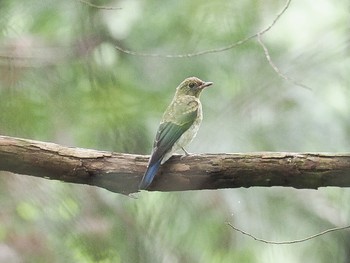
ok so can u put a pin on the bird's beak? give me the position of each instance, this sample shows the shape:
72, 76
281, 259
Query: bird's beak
205, 84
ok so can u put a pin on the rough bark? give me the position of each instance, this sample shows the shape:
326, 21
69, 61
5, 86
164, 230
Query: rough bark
121, 173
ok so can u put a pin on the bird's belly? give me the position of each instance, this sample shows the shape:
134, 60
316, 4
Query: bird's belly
187, 136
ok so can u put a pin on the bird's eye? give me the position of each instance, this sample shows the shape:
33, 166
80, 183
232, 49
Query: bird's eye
191, 85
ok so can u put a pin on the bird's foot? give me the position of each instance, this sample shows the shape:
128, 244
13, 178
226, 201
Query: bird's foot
186, 153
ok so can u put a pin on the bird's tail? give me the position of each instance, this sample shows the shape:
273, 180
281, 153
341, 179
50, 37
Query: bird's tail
149, 175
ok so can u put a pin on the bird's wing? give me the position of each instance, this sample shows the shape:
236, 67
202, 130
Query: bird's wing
182, 117
177, 119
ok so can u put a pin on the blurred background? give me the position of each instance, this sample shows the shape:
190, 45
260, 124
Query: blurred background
62, 80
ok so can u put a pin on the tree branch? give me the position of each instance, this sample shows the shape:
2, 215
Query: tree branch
99, 6
290, 242
210, 51
275, 68
121, 173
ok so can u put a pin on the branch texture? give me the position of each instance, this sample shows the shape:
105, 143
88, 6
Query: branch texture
121, 173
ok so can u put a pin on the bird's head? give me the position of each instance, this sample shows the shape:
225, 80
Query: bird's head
192, 87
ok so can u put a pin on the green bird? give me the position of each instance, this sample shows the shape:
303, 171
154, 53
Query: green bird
178, 127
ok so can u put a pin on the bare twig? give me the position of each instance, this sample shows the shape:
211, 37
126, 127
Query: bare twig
291, 241
98, 6
275, 68
208, 51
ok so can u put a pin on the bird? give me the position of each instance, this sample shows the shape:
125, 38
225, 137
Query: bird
178, 127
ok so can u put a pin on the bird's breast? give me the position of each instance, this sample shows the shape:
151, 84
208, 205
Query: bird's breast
189, 135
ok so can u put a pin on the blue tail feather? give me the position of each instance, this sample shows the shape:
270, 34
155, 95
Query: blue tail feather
149, 175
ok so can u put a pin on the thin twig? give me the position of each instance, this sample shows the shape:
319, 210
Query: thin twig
275, 68
98, 6
288, 242
208, 51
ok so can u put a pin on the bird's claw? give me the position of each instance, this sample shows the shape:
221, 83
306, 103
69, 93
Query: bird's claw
186, 153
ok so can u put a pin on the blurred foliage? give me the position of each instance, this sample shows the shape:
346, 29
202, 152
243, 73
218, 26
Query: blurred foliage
62, 80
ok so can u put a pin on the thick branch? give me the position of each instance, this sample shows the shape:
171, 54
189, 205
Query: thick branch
122, 173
